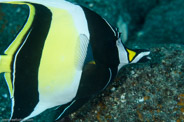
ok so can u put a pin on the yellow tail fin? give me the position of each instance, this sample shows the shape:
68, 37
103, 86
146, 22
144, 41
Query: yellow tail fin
5, 63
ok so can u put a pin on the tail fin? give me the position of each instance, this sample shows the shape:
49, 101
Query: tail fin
5, 63
5, 67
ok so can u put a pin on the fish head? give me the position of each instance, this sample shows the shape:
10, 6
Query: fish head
128, 56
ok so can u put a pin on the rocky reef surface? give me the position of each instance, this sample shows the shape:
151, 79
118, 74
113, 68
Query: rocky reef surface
153, 91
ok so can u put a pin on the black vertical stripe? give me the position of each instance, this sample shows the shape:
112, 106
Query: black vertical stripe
105, 53
26, 94
103, 41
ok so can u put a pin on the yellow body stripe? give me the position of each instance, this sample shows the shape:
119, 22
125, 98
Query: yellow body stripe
59, 58
16, 43
9, 83
5, 63
131, 54
6, 60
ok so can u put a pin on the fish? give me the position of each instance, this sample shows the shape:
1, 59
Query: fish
64, 55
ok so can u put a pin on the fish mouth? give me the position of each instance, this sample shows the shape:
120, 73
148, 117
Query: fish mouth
145, 58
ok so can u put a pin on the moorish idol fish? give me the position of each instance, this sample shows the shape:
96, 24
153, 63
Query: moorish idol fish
63, 55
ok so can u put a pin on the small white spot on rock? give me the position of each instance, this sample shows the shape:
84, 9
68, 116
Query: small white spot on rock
132, 72
140, 100
113, 89
123, 98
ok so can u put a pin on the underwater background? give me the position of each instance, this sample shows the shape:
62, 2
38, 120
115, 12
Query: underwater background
153, 91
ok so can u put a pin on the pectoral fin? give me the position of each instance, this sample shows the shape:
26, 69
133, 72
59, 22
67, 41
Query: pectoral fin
82, 51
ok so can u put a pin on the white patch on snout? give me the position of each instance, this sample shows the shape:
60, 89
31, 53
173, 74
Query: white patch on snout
123, 59
139, 56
